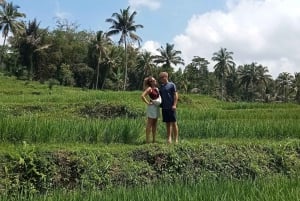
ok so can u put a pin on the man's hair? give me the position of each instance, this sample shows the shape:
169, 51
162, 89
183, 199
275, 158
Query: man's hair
164, 74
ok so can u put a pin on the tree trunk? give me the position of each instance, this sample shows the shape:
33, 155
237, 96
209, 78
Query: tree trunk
125, 76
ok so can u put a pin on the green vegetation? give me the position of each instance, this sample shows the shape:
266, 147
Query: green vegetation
68, 56
273, 189
63, 143
31, 112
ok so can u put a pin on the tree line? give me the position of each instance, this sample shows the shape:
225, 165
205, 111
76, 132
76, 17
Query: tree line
72, 57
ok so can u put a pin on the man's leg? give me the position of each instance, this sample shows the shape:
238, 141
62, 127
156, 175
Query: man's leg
169, 132
175, 131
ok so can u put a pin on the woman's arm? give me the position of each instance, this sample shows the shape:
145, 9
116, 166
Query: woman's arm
144, 94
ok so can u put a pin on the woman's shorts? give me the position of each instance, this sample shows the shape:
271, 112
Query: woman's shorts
152, 111
169, 115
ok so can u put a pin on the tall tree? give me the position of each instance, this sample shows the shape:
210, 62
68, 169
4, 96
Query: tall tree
202, 66
284, 83
9, 16
167, 57
145, 66
102, 43
224, 66
124, 23
248, 77
297, 87
30, 43
264, 80
111, 64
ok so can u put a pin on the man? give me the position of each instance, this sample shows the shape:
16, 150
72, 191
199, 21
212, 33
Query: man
169, 98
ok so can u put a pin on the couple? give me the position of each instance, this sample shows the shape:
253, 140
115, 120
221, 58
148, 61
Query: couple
166, 97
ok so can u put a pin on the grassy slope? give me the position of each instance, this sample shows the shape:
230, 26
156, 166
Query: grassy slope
101, 165
31, 99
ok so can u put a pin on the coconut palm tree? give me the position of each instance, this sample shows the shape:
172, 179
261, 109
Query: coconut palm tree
202, 66
145, 66
248, 76
297, 87
145, 63
255, 77
264, 80
102, 43
124, 23
167, 57
31, 43
111, 63
9, 16
284, 83
224, 66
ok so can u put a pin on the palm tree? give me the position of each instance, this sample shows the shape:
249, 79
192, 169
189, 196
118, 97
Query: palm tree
224, 65
145, 66
124, 23
254, 76
30, 43
284, 82
248, 76
202, 66
297, 87
111, 61
145, 63
102, 42
9, 21
264, 80
168, 56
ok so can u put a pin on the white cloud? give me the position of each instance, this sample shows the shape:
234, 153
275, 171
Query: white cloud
151, 46
262, 31
151, 4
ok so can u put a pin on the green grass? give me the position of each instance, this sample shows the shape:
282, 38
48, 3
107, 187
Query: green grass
269, 189
36, 120
31, 112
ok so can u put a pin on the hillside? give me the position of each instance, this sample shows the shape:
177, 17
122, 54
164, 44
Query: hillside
69, 138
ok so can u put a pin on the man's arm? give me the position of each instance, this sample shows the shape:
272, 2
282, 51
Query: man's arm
175, 100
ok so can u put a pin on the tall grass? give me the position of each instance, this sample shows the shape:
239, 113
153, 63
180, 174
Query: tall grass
240, 128
35, 129
32, 112
269, 189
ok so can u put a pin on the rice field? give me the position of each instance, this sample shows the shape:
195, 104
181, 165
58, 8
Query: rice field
32, 112
269, 189
35, 114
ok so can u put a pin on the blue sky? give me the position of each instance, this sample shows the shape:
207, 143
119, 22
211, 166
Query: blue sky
262, 31
162, 19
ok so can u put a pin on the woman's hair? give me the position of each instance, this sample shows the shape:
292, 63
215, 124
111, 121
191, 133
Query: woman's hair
147, 82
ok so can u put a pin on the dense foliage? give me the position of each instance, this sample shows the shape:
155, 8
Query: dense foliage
65, 125
69, 56
68, 138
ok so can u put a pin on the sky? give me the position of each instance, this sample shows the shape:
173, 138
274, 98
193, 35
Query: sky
263, 31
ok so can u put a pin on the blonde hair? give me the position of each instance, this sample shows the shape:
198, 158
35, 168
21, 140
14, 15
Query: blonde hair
147, 82
165, 74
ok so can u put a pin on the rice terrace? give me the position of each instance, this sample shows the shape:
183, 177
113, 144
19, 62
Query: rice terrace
73, 125
65, 143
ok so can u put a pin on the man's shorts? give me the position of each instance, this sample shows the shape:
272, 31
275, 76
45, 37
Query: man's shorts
168, 115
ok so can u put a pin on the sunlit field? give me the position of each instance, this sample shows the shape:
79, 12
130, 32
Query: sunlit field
276, 189
224, 150
34, 113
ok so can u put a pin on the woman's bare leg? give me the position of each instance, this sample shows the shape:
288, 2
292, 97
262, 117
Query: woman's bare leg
154, 128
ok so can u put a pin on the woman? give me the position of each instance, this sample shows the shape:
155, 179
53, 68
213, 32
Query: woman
152, 98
